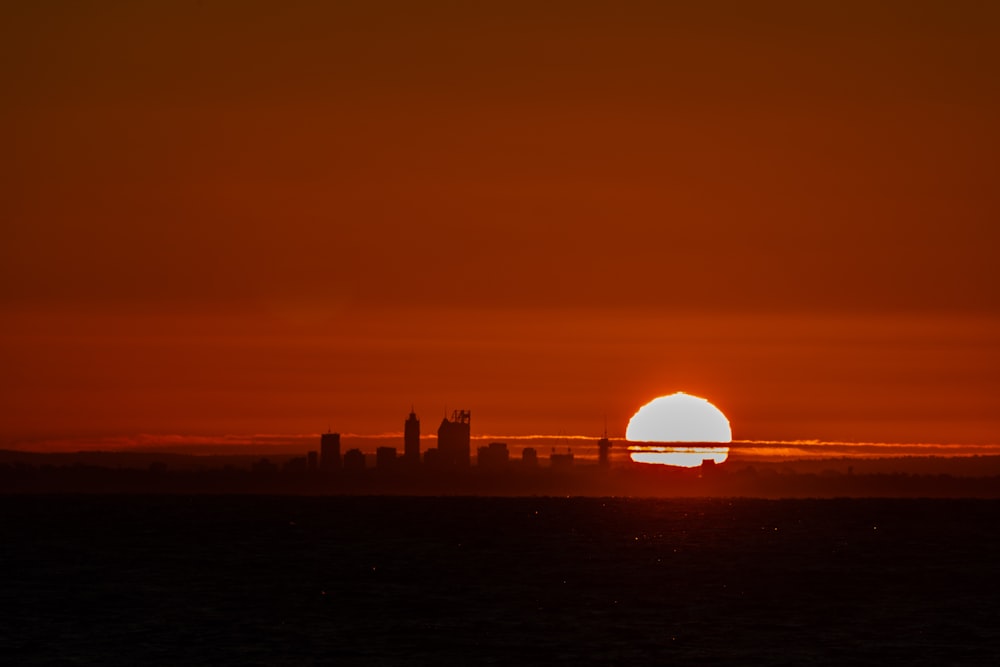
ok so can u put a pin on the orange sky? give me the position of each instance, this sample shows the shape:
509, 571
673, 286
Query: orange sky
262, 217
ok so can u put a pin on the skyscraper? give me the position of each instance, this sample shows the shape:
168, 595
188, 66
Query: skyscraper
329, 452
454, 439
411, 440
603, 448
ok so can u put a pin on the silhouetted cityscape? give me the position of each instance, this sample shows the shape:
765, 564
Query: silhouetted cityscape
453, 452
449, 468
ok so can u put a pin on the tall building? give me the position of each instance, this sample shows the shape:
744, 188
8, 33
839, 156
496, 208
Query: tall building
329, 452
454, 439
603, 447
411, 440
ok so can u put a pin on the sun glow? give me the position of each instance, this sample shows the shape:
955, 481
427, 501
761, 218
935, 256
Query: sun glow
678, 418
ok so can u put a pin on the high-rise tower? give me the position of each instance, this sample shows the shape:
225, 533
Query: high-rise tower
329, 452
411, 440
603, 448
454, 439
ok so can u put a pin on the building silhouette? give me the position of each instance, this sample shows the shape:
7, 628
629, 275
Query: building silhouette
529, 457
454, 440
296, 466
561, 461
603, 449
493, 457
329, 452
411, 440
385, 458
431, 458
354, 461
264, 467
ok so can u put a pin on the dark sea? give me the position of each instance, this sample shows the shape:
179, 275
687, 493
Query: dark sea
258, 580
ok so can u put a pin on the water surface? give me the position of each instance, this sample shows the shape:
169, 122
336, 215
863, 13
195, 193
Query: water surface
245, 580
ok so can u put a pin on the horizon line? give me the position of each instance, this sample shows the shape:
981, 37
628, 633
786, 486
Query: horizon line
146, 441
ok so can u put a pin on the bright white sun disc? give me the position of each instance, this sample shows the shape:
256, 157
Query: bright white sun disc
679, 417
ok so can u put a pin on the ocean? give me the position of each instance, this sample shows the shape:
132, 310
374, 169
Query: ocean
275, 580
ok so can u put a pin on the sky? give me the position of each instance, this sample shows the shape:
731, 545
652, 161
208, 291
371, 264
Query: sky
265, 217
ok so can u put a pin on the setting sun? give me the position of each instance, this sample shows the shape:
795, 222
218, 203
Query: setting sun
678, 418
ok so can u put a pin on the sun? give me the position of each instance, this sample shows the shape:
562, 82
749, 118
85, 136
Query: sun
662, 424
679, 417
